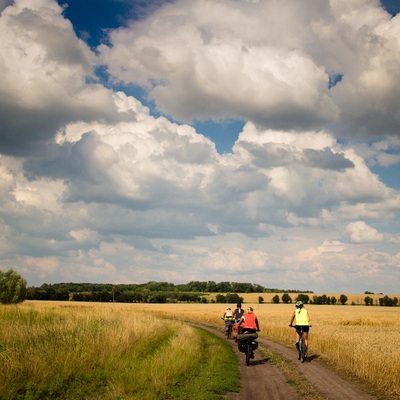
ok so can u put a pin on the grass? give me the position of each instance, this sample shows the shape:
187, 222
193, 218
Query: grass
131, 351
53, 350
363, 343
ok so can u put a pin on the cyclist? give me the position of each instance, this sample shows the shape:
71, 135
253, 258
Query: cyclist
238, 312
302, 320
228, 314
249, 322
228, 318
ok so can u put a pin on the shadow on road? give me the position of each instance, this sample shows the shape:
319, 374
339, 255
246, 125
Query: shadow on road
260, 362
312, 357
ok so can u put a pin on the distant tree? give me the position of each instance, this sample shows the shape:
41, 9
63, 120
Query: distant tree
233, 298
223, 287
275, 299
12, 287
317, 299
386, 301
211, 287
286, 298
303, 297
343, 299
368, 301
220, 298
146, 295
258, 288
260, 299
333, 300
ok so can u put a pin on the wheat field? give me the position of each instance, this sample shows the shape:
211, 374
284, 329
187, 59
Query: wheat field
362, 342
97, 351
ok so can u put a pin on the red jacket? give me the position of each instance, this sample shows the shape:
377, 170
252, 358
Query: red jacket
249, 321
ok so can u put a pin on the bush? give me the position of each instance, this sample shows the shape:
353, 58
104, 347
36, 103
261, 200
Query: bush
12, 287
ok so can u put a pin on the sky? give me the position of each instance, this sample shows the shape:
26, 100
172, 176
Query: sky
196, 140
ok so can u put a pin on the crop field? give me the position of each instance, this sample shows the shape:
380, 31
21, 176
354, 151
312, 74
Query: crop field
362, 342
100, 346
73, 351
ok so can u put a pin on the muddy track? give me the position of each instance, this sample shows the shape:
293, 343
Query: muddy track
264, 379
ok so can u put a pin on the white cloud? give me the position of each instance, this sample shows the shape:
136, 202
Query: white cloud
267, 62
103, 190
360, 232
45, 70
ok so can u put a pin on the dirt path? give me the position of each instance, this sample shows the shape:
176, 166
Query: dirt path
263, 379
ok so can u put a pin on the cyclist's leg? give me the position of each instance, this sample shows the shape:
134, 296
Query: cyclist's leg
297, 337
306, 331
305, 334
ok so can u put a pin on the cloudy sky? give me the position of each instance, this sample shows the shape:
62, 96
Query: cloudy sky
226, 140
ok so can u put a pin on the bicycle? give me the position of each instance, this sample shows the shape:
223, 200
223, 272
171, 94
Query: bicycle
300, 345
228, 327
247, 344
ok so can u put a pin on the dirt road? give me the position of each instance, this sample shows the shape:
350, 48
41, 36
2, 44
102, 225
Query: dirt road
264, 379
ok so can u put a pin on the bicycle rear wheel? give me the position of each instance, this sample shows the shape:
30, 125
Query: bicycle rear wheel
303, 351
229, 334
248, 351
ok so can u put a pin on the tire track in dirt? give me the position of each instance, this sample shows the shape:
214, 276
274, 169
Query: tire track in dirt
265, 380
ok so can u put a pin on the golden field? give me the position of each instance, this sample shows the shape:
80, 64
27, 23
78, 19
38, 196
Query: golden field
101, 351
362, 342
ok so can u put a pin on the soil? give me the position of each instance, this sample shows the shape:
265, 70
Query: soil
265, 379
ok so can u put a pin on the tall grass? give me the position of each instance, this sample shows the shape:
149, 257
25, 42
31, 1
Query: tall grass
97, 351
363, 342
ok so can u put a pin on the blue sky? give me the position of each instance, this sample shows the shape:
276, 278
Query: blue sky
247, 140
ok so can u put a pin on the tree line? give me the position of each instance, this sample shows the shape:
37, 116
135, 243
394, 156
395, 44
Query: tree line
150, 292
385, 301
323, 299
13, 290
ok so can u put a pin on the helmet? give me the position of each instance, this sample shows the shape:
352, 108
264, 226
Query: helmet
299, 304
228, 308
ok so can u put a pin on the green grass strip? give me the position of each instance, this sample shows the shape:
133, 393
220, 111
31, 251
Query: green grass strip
216, 374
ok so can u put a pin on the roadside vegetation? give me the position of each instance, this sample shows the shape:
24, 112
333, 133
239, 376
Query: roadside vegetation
52, 350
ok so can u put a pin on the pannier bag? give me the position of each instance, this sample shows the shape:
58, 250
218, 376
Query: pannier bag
245, 336
242, 345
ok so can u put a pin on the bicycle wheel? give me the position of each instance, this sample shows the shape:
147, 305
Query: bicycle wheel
229, 333
303, 351
248, 351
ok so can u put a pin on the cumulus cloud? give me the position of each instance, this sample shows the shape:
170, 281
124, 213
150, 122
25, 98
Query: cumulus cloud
360, 232
93, 184
292, 67
47, 77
